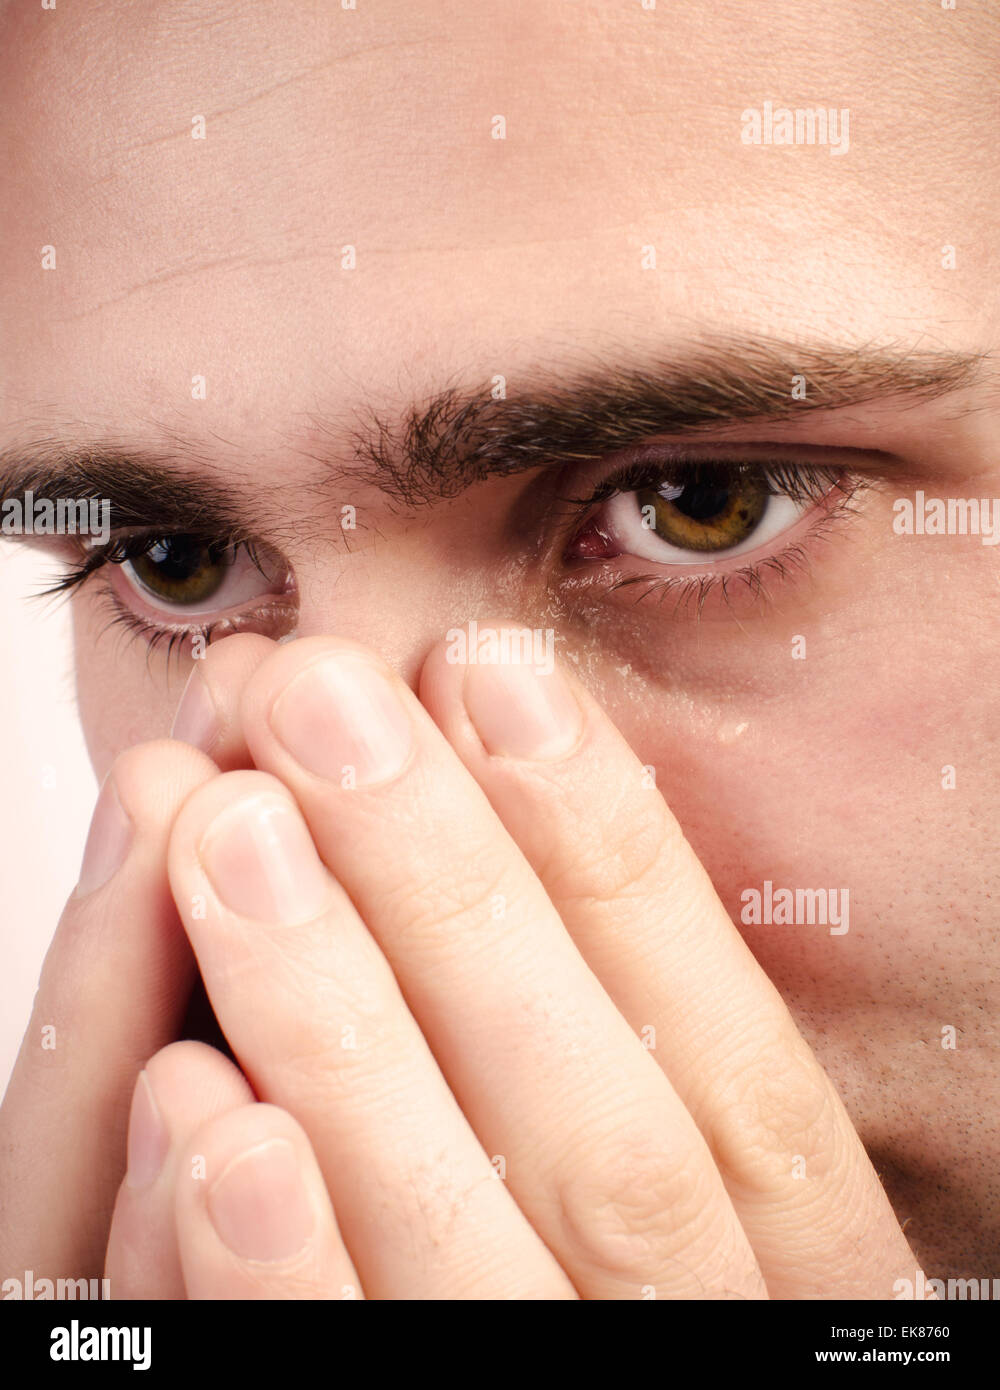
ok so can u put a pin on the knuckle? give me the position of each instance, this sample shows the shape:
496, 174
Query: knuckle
339, 1032
438, 907
628, 1211
781, 1109
632, 855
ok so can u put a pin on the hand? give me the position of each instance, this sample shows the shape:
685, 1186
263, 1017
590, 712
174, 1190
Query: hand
435, 933
113, 991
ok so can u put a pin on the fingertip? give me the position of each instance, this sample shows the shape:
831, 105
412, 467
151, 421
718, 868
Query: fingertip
187, 1070
207, 802
496, 687
152, 779
208, 712
254, 1219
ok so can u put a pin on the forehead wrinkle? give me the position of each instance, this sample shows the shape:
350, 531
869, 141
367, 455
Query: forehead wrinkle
924, 169
267, 93
221, 264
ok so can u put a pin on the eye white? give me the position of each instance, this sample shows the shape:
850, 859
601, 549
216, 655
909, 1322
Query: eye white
622, 519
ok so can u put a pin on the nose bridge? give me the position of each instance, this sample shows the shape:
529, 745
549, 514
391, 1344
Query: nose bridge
404, 594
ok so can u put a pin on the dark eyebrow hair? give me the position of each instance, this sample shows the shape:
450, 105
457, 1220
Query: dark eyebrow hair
442, 446
436, 448
143, 485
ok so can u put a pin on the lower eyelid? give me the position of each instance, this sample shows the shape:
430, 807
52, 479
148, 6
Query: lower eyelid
274, 618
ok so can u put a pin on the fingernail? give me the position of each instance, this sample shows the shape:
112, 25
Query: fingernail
263, 864
196, 721
259, 1206
342, 720
520, 712
107, 843
148, 1139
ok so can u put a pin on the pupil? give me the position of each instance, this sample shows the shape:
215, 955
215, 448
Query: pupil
702, 500
178, 557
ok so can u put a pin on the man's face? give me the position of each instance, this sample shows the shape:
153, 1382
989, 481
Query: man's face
351, 238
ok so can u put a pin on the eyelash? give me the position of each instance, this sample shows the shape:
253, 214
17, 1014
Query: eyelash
801, 483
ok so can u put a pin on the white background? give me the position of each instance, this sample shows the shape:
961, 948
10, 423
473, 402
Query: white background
47, 787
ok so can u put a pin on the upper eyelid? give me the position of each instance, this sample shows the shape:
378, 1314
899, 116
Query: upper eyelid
726, 450
97, 558
645, 472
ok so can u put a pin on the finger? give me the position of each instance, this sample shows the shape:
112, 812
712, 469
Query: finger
208, 711
318, 1023
181, 1088
603, 1159
645, 916
259, 1222
112, 992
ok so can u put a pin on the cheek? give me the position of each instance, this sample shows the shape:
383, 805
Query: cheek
840, 779
121, 702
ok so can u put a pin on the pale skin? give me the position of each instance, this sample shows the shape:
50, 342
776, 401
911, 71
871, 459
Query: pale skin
314, 907
518, 1037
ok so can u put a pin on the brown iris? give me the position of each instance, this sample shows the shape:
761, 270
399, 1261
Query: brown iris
182, 569
712, 511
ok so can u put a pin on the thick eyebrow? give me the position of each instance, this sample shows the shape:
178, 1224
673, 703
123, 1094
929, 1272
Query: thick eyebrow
173, 487
437, 448
457, 439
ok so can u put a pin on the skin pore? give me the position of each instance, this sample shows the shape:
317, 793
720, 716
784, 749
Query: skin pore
224, 258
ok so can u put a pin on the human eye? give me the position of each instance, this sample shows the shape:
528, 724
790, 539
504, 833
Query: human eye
705, 524
172, 587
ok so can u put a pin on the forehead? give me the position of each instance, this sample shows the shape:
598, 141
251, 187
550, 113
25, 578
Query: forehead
376, 129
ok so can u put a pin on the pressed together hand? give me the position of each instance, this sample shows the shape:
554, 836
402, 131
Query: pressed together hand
496, 1035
